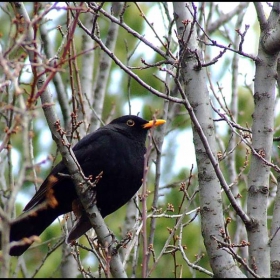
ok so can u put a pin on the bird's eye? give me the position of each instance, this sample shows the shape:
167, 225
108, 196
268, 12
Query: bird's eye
130, 123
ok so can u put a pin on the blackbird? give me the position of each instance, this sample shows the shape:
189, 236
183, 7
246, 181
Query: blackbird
117, 150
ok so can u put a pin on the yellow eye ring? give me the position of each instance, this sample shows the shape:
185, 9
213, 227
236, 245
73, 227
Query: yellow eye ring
130, 123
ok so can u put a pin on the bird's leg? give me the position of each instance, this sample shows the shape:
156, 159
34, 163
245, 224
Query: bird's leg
114, 240
114, 249
122, 243
108, 245
119, 244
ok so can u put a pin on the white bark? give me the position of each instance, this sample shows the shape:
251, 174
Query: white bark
262, 140
196, 91
104, 69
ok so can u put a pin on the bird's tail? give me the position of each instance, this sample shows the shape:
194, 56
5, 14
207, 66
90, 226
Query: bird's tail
29, 225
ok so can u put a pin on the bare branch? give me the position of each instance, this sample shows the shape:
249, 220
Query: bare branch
224, 18
261, 15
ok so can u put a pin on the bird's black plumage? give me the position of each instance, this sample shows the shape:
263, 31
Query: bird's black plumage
117, 150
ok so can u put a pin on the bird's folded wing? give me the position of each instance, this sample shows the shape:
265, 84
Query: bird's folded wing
86, 151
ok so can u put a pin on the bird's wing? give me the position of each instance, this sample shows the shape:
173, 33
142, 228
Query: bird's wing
52, 179
90, 147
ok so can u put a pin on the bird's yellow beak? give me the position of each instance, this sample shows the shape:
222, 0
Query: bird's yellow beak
154, 123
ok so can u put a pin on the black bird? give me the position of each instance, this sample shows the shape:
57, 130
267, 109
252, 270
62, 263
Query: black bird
117, 150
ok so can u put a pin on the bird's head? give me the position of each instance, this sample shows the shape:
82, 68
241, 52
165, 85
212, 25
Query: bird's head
134, 126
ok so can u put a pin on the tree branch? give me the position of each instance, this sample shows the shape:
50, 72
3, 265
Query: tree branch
68, 156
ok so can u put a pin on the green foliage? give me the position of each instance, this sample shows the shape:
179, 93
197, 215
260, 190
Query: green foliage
120, 90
